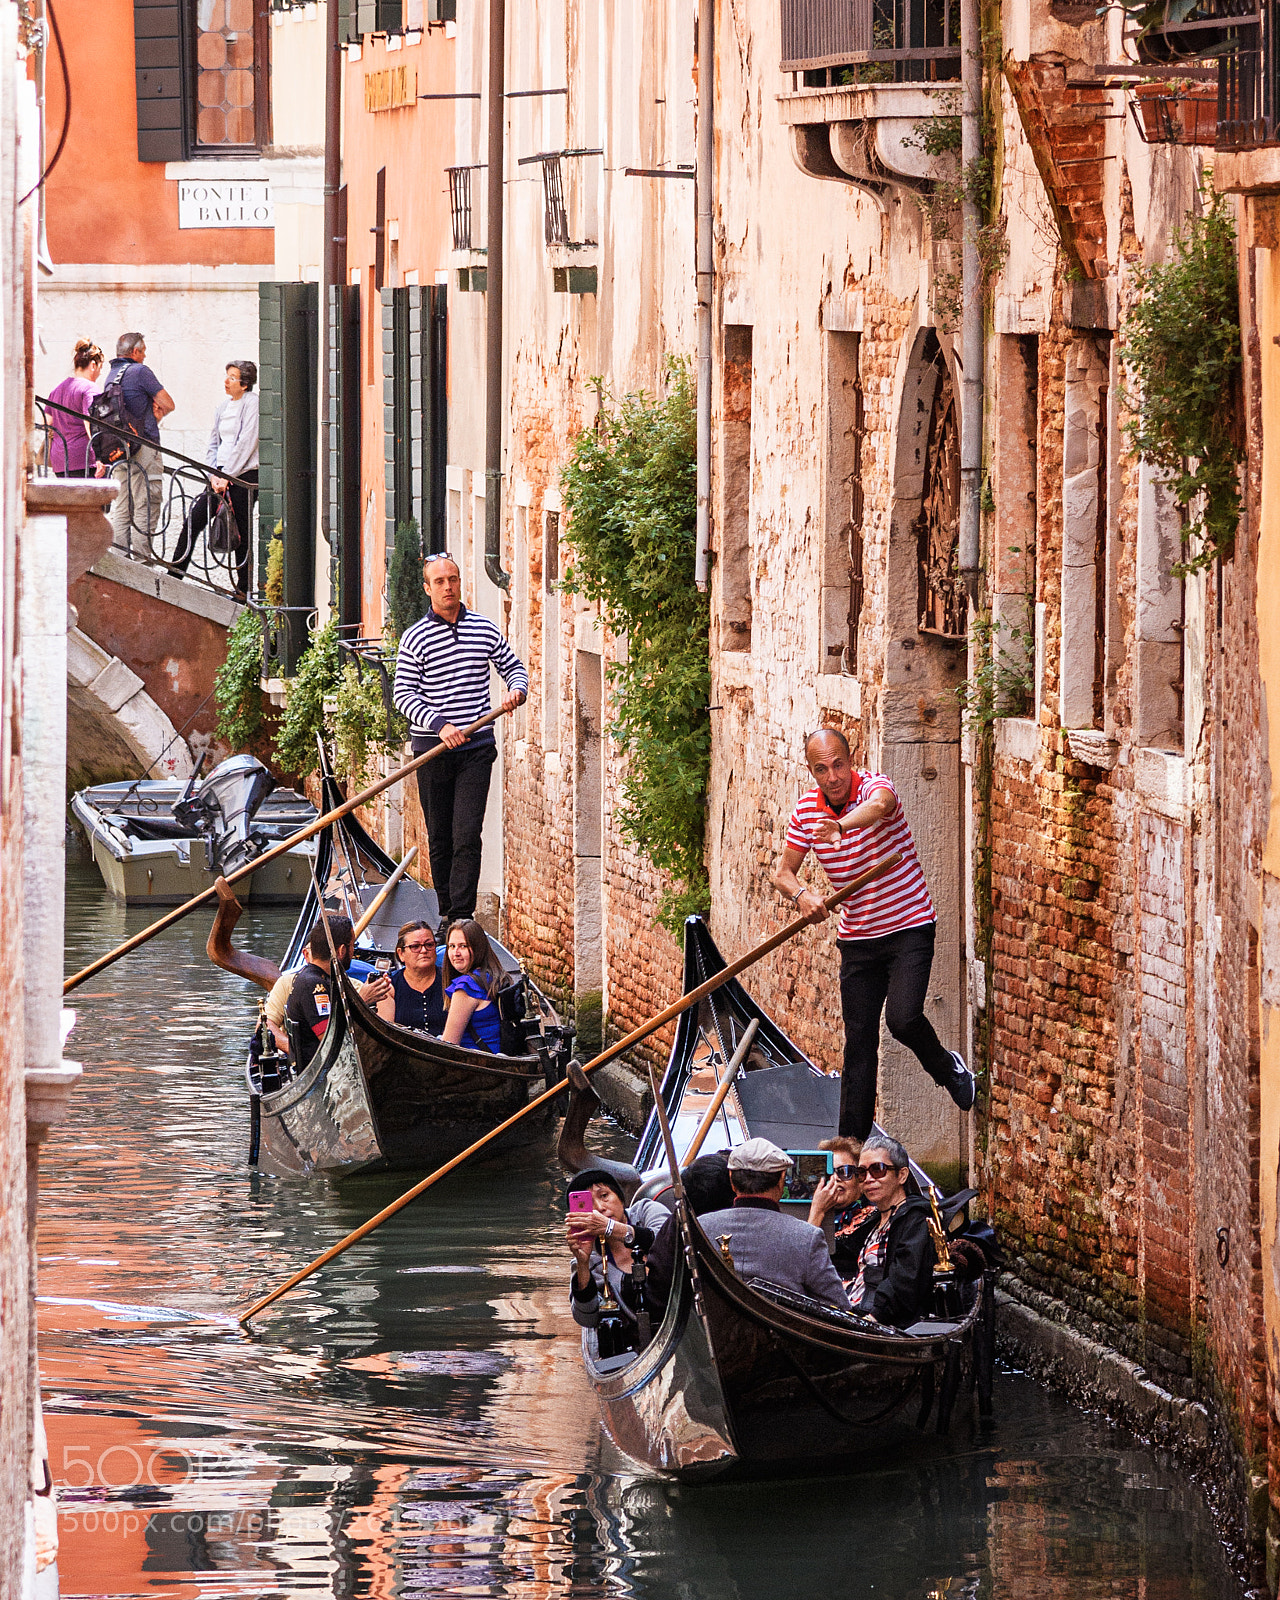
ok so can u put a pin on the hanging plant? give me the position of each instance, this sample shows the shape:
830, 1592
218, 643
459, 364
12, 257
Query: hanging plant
237, 684
305, 694
359, 722
630, 488
1182, 346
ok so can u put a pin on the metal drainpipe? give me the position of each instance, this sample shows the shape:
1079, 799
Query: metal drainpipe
334, 259
971, 323
493, 302
705, 280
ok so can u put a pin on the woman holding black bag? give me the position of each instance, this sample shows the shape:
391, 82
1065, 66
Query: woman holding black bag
226, 508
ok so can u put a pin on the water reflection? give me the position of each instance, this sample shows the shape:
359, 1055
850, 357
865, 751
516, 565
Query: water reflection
415, 1422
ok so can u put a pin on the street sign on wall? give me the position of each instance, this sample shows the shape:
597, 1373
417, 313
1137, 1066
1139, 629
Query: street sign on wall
217, 203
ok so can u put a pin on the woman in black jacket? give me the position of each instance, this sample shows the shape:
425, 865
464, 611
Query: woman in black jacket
888, 1260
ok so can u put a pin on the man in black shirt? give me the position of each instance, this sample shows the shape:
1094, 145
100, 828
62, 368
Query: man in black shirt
311, 1000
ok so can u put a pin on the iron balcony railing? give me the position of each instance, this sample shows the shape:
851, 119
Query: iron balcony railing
460, 206
150, 514
831, 42
1247, 69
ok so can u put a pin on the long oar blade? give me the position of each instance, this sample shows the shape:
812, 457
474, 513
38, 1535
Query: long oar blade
285, 845
634, 1037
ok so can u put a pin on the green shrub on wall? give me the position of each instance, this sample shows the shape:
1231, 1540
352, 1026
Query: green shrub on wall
237, 685
406, 598
1182, 345
304, 697
630, 490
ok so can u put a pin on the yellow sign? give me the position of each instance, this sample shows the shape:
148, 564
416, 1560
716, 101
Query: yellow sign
390, 90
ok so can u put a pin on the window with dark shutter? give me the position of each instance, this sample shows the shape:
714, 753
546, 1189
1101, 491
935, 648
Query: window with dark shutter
414, 352
203, 78
158, 58
288, 347
343, 422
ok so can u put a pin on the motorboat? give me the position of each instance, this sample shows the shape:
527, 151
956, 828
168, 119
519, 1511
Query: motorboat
161, 841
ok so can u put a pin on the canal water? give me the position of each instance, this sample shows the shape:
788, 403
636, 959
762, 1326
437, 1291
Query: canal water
414, 1421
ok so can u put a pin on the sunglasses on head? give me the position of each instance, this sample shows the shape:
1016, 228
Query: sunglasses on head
438, 555
873, 1169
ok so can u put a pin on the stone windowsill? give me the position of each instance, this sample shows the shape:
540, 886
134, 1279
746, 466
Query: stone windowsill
1160, 780
1017, 739
839, 693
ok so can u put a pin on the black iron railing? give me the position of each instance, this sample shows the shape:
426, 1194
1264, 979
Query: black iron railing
1247, 112
555, 218
832, 42
460, 206
372, 655
153, 510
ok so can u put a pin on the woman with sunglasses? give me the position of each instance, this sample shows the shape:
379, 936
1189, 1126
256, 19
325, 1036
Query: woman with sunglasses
838, 1199
417, 1000
888, 1258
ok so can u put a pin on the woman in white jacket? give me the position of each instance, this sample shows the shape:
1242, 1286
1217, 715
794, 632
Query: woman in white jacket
233, 450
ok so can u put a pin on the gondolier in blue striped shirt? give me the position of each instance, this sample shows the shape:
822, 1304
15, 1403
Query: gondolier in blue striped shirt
442, 684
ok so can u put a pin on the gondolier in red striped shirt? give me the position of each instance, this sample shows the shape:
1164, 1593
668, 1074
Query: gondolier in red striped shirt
886, 931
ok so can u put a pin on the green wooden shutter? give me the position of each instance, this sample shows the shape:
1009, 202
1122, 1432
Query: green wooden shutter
343, 419
435, 418
158, 71
288, 346
396, 413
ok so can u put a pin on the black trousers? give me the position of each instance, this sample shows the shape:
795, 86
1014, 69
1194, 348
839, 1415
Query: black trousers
890, 974
201, 515
454, 789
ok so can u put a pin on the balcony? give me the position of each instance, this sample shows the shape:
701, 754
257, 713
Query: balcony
836, 43
863, 75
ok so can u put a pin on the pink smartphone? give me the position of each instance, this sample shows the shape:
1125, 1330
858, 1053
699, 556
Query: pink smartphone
580, 1200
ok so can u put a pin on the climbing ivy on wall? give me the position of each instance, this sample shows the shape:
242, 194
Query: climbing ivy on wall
1182, 347
630, 490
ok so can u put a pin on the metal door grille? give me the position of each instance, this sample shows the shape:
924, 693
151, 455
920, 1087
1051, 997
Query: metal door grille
943, 607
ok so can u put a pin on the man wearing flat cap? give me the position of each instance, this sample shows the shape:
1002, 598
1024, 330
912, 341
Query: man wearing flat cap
763, 1241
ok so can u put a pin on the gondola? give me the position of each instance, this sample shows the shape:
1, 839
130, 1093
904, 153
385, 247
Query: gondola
747, 1377
376, 1095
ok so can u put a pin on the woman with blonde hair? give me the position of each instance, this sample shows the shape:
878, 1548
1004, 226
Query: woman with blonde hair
70, 453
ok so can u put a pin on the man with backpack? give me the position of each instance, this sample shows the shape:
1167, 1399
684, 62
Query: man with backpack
132, 399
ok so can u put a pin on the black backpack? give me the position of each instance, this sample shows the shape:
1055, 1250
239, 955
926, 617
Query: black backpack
109, 445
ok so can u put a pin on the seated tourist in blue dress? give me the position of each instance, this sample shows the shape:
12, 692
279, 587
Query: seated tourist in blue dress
417, 998
471, 979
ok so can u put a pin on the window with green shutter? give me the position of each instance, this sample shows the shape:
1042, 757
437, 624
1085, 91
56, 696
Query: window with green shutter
288, 347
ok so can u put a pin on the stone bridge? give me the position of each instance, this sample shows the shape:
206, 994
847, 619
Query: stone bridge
142, 651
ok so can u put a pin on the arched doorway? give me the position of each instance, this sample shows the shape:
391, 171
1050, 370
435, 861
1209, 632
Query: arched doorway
919, 719
943, 603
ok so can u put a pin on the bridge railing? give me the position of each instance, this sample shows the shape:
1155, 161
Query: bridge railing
164, 521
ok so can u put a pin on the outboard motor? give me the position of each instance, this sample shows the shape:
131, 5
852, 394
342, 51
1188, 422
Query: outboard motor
223, 808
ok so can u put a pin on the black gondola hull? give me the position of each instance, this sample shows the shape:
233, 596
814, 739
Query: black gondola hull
737, 1381
376, 1095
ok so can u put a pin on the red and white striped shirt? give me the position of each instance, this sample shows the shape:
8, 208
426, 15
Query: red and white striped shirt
898, 900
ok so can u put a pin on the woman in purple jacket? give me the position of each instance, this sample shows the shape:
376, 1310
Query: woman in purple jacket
70, 453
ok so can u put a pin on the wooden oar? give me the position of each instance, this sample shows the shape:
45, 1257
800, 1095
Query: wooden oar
382, 893
726, 1083
634, 1037
285, 845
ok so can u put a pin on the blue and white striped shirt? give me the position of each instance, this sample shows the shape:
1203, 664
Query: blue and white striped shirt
442, 672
